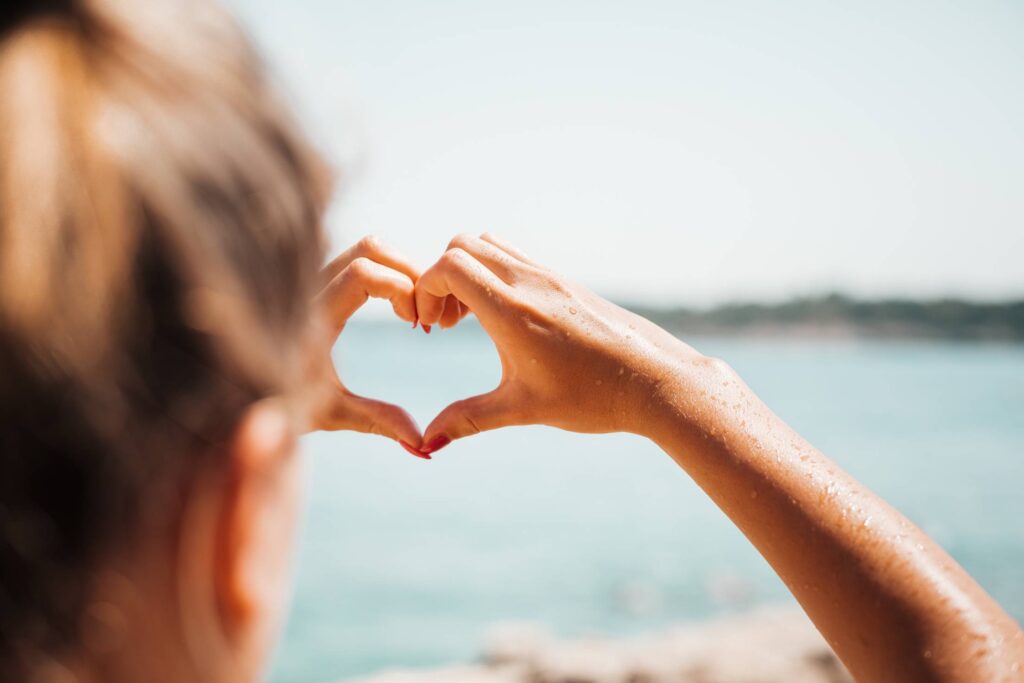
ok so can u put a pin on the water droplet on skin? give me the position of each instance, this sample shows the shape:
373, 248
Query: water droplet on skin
927, 654
867, 523
572, 311
533, 360
753, 495
598, 382
622, 370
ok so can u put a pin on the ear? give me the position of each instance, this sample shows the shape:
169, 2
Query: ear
255, 525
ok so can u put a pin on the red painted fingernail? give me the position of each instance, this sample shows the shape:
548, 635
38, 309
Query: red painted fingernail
415, 451
415, 323
437, 443
426, 328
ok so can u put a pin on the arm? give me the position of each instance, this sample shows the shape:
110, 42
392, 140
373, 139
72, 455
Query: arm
892, 603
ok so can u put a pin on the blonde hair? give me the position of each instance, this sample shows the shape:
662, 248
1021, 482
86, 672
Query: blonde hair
159, 244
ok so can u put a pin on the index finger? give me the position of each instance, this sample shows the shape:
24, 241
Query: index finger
376, 250
458, 273
363, 279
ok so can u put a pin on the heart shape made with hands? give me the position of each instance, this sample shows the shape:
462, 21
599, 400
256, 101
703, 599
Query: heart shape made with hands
569, 359
371, 269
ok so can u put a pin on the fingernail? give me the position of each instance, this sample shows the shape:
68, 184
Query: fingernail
415, 451
437, 443
415, 323
426, 328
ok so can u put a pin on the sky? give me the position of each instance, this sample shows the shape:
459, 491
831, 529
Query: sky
675, 152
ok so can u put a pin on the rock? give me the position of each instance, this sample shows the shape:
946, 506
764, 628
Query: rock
462, 674
778, 645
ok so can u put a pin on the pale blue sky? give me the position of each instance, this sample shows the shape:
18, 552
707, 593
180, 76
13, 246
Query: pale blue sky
678, 151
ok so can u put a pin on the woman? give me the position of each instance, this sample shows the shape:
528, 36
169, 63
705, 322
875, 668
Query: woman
164, 338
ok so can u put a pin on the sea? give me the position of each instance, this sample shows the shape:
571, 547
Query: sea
406, 563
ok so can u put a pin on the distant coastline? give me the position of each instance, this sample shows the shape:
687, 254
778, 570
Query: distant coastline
836, 316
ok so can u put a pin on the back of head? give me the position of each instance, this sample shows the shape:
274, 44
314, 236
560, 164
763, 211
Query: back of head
159, 240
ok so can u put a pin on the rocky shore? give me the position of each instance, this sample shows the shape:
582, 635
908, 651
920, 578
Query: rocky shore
777, 645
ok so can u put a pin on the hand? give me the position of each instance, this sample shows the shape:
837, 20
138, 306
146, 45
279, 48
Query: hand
569, 358
368, 269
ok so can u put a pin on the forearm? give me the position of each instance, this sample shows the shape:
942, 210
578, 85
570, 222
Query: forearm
892, 604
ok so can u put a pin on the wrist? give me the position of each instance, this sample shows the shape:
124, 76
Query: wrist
691, 398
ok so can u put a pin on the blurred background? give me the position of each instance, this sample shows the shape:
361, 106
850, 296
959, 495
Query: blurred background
681, 157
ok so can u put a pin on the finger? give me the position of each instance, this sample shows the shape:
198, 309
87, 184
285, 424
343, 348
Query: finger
376, 250
363, 279
452, 312
470, 416
508, 249
356, 413
502, 264
460, 274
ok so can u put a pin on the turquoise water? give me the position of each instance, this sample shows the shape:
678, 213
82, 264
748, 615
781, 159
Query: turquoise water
406, 562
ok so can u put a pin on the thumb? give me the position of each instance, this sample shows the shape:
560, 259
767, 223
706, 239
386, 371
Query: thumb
470, 416
352, 412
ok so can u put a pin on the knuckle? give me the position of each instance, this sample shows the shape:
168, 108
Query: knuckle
370, 244
361, 268
455, 257
716, 366
552, 283
465, 417
461, 241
